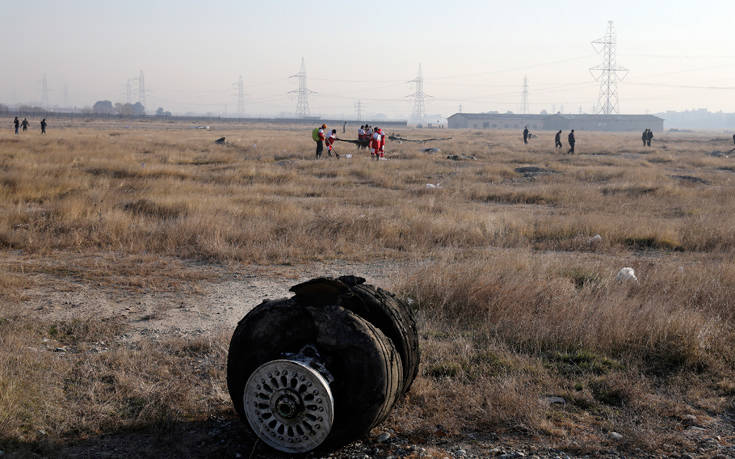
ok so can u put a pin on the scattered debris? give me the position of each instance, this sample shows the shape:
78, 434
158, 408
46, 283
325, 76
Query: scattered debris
348, 156
689, 420
626, 274
382, 438
553, 399
431, 185
596, 239
462, 157
720, 154
690, 178
60, 349
616, 436
398, 138
220, 141
532, 171
431, 150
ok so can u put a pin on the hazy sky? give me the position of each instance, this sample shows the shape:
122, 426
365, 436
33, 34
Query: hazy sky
680, 53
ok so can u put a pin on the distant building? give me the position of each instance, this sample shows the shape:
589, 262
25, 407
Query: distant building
555, 122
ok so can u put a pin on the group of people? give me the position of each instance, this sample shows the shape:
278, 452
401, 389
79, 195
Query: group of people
557, 139
322, 137
647, 136
24, 125
373, 138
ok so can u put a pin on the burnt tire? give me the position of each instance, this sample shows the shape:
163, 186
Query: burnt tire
366, 367
394, 318
382, 309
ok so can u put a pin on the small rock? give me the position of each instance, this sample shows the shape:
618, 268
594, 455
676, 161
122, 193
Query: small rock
596, 239
382, 438
689, 420
60, 349
551, 400
238, 455
460, 453
220, 141
626, 274
616, 436
431, 150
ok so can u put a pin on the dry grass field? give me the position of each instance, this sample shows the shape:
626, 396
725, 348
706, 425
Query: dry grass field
109, 227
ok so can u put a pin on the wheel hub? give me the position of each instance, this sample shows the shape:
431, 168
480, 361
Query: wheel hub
289, 405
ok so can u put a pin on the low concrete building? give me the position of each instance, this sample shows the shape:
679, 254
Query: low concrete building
555, 122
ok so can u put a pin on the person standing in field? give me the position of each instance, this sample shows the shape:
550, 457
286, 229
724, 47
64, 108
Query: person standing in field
525, 134
571, 141
330, 143
644, 136
43, 126
319, 137
649, 137
381, 148
16, 123
557, 140
733, 139
375, 143
24, 124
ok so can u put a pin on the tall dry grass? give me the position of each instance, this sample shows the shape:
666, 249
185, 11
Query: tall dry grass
515, 300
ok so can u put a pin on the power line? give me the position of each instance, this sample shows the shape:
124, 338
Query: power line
608, 72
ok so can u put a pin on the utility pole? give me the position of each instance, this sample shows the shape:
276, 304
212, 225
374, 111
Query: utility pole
240, 86
44, 92
302, 102
524, 96
419, 108
608, 73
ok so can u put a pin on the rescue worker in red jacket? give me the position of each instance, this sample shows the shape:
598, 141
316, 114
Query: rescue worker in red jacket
382, 143
375, 143
330, 143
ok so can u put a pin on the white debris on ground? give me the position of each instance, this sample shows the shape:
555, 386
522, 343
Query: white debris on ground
596, 239
626, 274
431, 185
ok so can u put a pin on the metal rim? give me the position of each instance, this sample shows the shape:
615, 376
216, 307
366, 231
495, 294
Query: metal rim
289, 405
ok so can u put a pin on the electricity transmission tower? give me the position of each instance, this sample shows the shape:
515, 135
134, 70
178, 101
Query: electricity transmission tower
129, 91
524, 96
419, 107
141, 89
240, 86
44, 92
302, 102
358, 110
608, 73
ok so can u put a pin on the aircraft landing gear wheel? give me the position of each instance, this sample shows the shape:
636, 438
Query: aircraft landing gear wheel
289, 405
